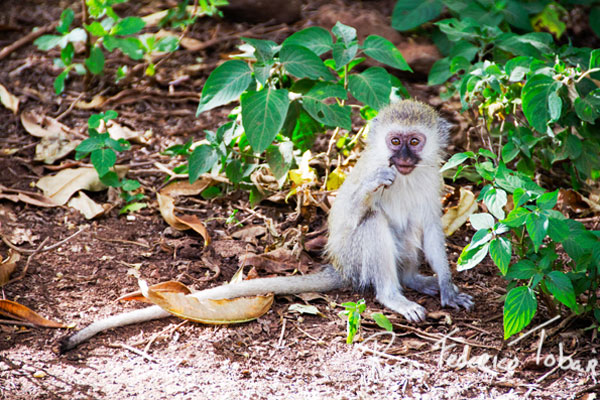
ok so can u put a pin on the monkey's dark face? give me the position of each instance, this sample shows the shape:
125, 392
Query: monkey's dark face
406, 150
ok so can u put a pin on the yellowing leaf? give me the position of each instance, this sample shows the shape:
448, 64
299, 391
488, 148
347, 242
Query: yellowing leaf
8, 266
225, 311
304, 173
9, 100
19, 312
169, 286
335, 179
456, 216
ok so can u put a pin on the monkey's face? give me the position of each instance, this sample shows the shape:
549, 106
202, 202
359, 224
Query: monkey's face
406, 150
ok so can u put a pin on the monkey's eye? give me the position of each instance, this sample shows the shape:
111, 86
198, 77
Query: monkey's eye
414, 141
395, 141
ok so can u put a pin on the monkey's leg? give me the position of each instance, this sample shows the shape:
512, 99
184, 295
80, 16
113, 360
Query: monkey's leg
380, 262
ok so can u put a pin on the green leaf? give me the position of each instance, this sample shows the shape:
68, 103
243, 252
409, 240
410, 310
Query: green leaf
495, 200
385, 52
95, 62
89, 145
59, 82
534, 44
536, 96
344, 33
594, 58
46, 42
67, 53
457, 159
129, 185
202, 159
516, 15
372, 87
66, 18
382, 321
558, 229
470, 257
409, 14
518, 67
500, 252
303, 63
561, 288
264, 49
128, 26
343, 54
325, 113
315, 38
524, 269
131, 46
263, 114
439, 72
225, 84
588, 107
103, 159
516, 217
537, 227
280, 158
132, 207
96, 29
547, 201
481, 221
167, 44
519, 308
110, 179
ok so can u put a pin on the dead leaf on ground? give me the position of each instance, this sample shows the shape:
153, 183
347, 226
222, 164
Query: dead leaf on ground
169, 286
249, 233
225, 311
305, 309
8, 265
278, 261
35, 199
574, 201
9, 100
185, 42
19, 312
166, 205
457, 215
154, 18
88, 207
117, 131
57, 140
96, 103
60, 187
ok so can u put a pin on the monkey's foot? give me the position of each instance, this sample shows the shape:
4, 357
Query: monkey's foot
455, 299
410, 310
423, 284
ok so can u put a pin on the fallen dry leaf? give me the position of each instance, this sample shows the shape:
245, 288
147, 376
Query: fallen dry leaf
185, 42
9, 100
154, 18
169, 286
57, 140
60, 187
34, 199
19, 312
8, 265
278, 261
225, 311
117, 131
166, 205
88, 207
574, 201
457, 215
95, 103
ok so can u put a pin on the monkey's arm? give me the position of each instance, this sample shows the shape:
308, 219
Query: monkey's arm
325, 280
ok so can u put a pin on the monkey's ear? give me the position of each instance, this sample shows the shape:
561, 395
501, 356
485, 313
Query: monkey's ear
444, 128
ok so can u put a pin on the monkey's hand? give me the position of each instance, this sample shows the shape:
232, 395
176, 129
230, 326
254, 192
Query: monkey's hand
384, 177
452, 297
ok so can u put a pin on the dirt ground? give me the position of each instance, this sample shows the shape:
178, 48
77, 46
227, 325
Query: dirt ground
282, 355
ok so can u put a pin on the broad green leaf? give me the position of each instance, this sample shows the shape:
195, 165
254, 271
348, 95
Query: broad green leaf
110, 179
46, 42
548, 200
66, 18
500, 252
537, 227
385, 52
536, 95
128, 26
202, 159
345, 33
225, 84
524, 269
554, 106
263, 114
89, 145
280, 158
372, 87
131, 46
300, 127
519, 308
167, 44
67, 53
561, 288
96, 29
470, 257
129, 185
409, 14
534, 44
480, 237
516, 15
382, 321
595, 57
264, 49
439, 72
558, 229
457, 159
343, 54
516, 217
481, 221
588, 107
103, 160
315, 38
517, 67
495, 200
59, 82
303, 63
509, 152
95, 62
327, 114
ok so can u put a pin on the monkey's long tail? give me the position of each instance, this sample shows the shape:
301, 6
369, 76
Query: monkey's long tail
326, 279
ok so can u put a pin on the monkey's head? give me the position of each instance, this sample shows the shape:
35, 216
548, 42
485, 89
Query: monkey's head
411, 134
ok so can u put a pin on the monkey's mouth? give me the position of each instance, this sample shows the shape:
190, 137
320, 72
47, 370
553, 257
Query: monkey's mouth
404, 169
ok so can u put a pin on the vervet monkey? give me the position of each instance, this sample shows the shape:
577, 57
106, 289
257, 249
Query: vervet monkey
385, 213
